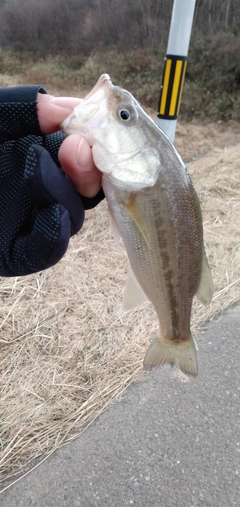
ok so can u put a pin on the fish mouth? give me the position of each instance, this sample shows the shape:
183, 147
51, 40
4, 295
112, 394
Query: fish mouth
103, 81
91, 112
85, 128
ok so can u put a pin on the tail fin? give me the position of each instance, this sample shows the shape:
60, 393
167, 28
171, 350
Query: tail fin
184, 354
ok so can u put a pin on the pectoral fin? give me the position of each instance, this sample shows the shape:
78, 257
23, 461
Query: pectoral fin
206, 287
135, 212
133, 295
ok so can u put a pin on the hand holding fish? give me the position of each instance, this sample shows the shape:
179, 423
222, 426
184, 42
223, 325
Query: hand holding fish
40, 208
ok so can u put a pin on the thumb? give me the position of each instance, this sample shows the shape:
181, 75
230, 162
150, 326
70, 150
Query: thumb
53, 110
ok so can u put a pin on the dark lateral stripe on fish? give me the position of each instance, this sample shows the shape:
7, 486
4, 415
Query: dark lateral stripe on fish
168, 276
172, 86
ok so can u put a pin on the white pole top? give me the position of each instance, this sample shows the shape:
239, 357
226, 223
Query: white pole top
181, 26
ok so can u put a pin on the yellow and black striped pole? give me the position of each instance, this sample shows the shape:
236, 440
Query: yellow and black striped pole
175, 66
172, 86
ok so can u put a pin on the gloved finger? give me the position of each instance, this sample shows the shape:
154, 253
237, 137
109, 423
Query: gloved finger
52, 143
91, 202
47, 184
45, 244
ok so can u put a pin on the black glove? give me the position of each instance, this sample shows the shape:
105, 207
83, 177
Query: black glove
39, 207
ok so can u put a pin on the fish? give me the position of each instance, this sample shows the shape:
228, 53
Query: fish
155, 209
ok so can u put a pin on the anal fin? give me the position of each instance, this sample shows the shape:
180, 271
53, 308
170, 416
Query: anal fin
133, 295
206, 287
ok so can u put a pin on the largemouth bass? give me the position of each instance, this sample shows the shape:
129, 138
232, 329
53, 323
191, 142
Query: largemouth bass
155, 209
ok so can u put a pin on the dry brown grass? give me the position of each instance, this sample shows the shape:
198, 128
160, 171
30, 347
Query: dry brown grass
66, 349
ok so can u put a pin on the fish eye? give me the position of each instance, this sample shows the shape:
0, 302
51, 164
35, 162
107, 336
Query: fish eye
126, 113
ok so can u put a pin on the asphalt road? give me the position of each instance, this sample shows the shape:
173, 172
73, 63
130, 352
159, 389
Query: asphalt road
166, 444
